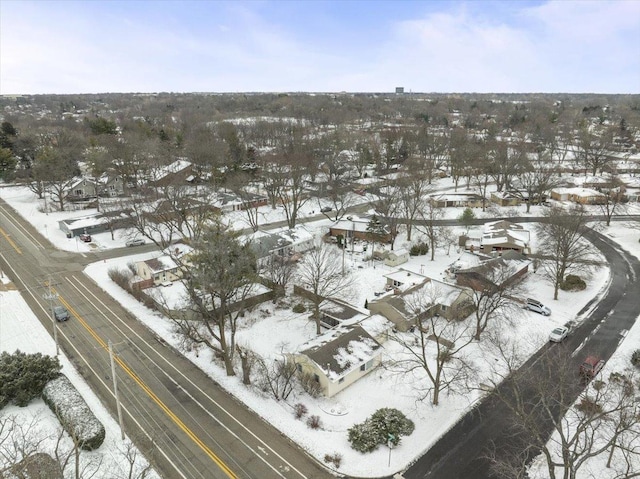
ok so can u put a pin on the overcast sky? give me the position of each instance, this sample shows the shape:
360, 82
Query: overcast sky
358, 46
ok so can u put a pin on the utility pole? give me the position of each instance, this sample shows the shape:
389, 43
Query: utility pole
50, 297
115, 389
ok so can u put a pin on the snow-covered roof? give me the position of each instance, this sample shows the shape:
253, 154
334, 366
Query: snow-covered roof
406, 278
436, 292
341, 350
175, 167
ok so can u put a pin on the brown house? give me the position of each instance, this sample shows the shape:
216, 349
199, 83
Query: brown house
358, 228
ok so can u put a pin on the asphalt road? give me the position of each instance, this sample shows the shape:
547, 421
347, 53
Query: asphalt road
188, 426
183, 422
462, 452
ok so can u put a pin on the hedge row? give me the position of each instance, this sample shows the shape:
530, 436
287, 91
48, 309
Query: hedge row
73, 413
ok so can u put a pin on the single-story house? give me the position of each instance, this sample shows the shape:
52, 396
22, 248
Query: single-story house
179, 172
465, 200
585, 196
227, 202
81, 188
166, 268
403, 279
397, 257
354, 227
496, 272
334, 312
499, 236
423, 300
339, 357
285, 243
84, 225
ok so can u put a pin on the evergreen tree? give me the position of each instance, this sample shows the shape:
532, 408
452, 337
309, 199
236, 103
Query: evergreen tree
23, 376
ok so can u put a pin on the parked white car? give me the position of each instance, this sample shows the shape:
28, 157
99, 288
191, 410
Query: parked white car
558, 334
135, 242
537, 307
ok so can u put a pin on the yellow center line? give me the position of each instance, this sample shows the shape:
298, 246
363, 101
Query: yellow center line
11, 242
154, 397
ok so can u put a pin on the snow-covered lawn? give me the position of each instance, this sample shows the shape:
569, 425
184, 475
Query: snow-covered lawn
21, 330
271, 330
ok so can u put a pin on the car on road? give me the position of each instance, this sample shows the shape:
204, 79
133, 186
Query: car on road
536, 307
590, 367
85, 238
558, 334
326, 209
135, 242
60, 313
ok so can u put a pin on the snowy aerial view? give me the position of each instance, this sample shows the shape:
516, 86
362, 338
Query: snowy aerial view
321, 239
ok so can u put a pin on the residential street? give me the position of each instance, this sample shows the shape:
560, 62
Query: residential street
462, 452
186, 425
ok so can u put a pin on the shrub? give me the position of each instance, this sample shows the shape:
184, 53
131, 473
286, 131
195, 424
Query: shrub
119, 277
300, 410
635, 358
24, 376
335, 459
299, 308
573, 283
310, 385
419, 249
386, 424
313, 422
589, 406
73, 413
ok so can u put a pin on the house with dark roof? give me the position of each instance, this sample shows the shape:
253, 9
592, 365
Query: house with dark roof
404, 305
496, 272
502, 235
339, 357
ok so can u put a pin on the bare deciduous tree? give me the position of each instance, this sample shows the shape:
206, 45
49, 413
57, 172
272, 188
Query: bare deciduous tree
320, 272
221, 277
434, 347
565, 248
603, 420
493, 295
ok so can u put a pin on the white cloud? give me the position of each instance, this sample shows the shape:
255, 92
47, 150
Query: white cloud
556, 46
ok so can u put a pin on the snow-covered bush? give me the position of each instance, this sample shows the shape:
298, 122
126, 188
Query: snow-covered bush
635, 358
385, 425
23, 376
74, 414
573, 283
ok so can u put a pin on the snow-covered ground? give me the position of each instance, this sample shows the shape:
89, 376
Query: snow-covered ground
270, 330
21, 330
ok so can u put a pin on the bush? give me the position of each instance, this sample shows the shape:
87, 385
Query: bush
73, 413
635, 358
419, 249
300, 410
335, 459
310, 385
386, 424
589, 407
313, 422
299, 308
119, 277
573, 283
24, 376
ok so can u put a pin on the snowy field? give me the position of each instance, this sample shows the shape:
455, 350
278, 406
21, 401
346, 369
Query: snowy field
270, 330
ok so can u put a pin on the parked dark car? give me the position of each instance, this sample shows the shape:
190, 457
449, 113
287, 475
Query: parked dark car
590, 367
85, 238
60, 313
